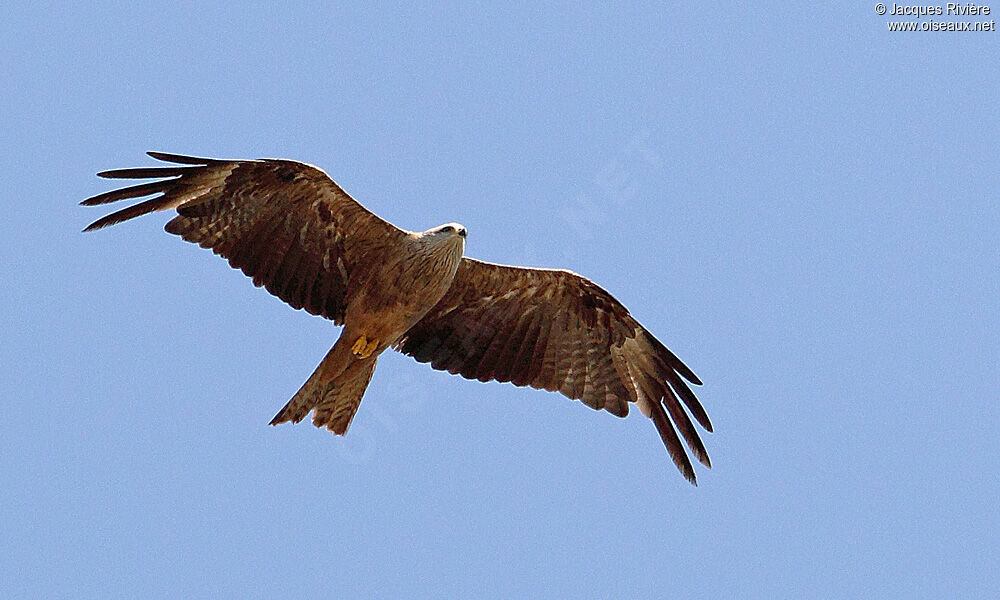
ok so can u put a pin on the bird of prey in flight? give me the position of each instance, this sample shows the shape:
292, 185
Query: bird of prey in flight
290, 228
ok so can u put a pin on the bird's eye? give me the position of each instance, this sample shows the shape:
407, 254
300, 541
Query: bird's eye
447, 229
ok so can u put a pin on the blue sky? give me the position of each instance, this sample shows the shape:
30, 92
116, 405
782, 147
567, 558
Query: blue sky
802, 205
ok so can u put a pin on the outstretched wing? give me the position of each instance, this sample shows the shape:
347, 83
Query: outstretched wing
283, 223
555, 330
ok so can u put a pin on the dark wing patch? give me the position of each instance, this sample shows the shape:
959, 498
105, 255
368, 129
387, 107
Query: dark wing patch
557, 331
285, 224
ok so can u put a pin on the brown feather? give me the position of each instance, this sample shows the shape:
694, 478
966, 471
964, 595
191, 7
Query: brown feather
511, 340
452, 355
273, 243
337, 408
683, 422
690, 400
554, 353
558, 331
276, 220
521, 359
184, 160
504, 320
673, 444
532, 374
125, 214
135, 191
146, 172
593, 384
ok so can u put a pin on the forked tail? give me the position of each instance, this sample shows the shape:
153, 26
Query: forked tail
334, 390
339, 404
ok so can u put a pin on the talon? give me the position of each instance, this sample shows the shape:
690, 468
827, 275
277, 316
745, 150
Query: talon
363, 348
359, 346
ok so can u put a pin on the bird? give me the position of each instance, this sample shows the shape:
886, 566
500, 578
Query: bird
290, 228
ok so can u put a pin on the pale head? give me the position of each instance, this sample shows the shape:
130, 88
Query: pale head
444, 246
448, 229
444, 240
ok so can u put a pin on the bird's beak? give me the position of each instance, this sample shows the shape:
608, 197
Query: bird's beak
463, 233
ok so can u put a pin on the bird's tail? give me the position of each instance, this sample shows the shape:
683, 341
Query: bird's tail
336, 410
334, 390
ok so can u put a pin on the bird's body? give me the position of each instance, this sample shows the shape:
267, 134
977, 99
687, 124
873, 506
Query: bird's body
379, 310
294, 231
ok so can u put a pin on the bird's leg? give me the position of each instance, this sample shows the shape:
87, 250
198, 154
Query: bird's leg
359, 346
363, 348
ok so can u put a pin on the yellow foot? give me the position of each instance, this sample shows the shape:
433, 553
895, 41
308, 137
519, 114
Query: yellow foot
363, 348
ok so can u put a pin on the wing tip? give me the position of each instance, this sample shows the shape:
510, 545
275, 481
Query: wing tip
670, 359
673, 443
689, 475
181, 159
107, 221
148, 172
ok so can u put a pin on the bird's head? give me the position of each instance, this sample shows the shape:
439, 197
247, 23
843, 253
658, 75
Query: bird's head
444, 241
448, 230
448, 238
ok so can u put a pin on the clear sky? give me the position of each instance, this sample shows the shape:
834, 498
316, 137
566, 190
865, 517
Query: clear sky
801, 204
